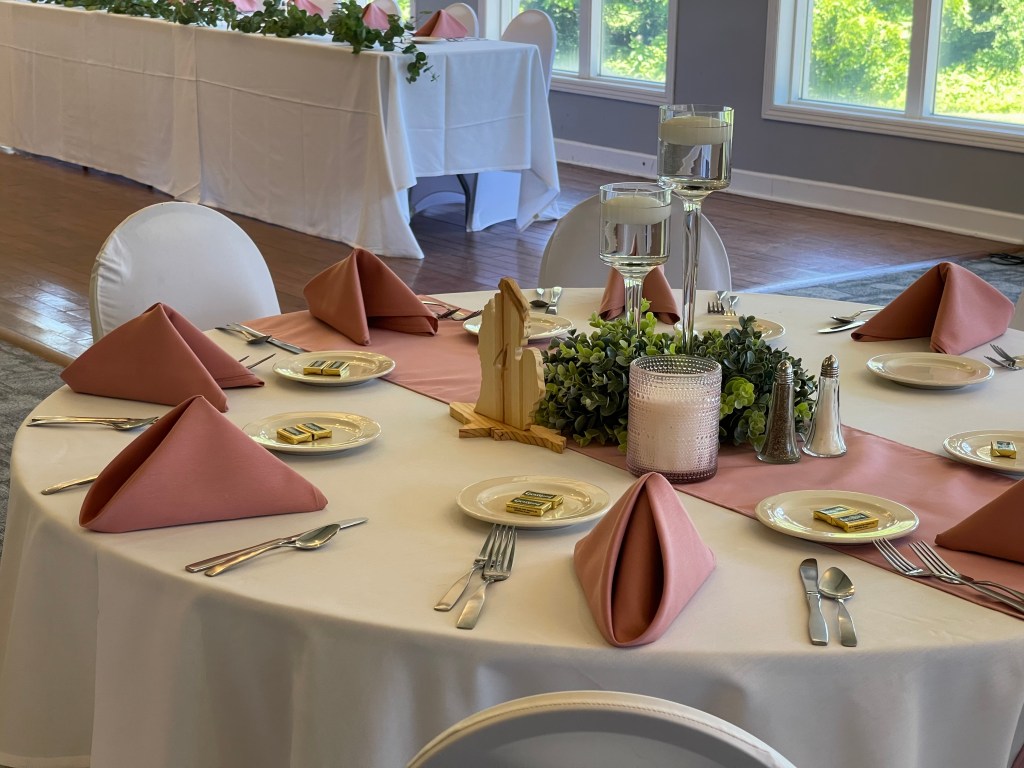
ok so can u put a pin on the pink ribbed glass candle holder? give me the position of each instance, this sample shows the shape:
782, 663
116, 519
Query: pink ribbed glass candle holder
674, 402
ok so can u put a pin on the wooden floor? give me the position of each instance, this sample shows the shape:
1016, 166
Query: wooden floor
54, 217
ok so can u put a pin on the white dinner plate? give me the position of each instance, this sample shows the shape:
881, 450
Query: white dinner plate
929, 370
542, 326
769, 330
362, 366
976, 448
349, 431
582, 502
792, 513
428, 39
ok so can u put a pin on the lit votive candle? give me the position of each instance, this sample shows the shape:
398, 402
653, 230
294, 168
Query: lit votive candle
674, 403
693, 130
636, 209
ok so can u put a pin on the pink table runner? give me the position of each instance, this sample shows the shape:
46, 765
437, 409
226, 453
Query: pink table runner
941, 491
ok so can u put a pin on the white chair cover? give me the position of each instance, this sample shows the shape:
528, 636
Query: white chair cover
466, 16
598, 729
491, 196
1017, 321
188, 256
571, 255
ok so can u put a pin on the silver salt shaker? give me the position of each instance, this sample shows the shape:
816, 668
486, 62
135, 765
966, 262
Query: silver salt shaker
825, 438
779, 445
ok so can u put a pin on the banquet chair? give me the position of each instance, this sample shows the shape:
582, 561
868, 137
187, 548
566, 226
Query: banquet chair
491, 196
571, 256
466, 16
188, 256
598, 729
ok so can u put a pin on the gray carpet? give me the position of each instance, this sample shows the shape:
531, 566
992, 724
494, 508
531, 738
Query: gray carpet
881, 288
24, 380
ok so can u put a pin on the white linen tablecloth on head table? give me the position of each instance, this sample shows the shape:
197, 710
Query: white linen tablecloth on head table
298, 132
112, 653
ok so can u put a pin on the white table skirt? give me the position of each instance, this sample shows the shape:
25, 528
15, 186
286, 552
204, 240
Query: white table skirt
336, 657
297, 132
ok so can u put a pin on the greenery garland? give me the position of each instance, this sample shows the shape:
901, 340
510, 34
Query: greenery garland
345, 24
586, 379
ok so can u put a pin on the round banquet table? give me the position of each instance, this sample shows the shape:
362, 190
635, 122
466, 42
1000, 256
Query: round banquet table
113, 656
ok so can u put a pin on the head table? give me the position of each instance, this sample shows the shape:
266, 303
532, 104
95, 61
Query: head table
113, 655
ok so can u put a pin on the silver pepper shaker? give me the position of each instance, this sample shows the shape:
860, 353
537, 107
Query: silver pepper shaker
825, 438
779, 445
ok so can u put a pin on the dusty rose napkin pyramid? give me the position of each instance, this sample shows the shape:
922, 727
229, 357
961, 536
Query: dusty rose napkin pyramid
158, 357
952, 305
642, 563
996, 529
248, 6
374, 17
442, 24
308, 7
656, 290
360, 291
193, 466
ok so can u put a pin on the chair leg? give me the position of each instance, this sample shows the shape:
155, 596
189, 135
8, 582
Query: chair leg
469, 190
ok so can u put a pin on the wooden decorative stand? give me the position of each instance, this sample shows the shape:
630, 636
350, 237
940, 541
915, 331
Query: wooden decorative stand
512, 376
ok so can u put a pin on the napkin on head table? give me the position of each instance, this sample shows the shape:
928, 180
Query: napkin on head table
442, 24
193, 466
642, 563
996, 529
948, 303
375, 17
656, 290
360, 291
310, 8
158, 357
248, 6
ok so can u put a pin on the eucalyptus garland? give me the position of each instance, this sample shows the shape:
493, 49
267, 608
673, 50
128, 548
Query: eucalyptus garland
345, 24
586, 379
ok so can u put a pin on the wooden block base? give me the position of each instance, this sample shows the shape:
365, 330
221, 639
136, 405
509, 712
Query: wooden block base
484, 426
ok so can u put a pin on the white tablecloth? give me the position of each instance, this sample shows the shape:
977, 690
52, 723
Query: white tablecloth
111, 650
298, 132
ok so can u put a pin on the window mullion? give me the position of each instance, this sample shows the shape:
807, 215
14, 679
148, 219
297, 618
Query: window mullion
590, 28
924, 54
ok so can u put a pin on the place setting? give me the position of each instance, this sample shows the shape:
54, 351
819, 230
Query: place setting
310, 433
335, 368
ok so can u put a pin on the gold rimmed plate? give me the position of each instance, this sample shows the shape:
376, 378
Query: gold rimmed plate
362, 367
976, 448
929, 370
792, 513
581, 501
769, 329
348, 430
542, 326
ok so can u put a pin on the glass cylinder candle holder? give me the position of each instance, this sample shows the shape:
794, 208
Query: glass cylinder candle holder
674, 403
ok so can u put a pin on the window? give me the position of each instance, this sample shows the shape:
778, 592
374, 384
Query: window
614, 48
950, 70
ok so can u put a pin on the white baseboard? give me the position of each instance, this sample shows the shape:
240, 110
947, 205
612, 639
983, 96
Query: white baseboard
934, 214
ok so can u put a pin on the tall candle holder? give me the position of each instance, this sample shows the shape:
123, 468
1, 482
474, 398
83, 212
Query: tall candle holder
695, 159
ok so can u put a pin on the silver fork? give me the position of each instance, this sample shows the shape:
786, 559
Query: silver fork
1003, 363
716, 308
907, 568
497, 568
1014, 360
116, 422
730, 310
455, 592
940, 567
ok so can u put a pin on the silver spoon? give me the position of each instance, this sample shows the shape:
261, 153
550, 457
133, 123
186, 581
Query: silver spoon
855, 315
541, 302
836, 585
310, 540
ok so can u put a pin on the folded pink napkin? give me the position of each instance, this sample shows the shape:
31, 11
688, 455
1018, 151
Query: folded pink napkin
360, 291
310, 8
193, 466
442, 24
248, 6
374, 17
996, 529
642, 563
952, 305
656, 290
158, 357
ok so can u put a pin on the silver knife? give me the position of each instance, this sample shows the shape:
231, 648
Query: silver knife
816, 625
209, 562
556, 294
843, 327
276, 342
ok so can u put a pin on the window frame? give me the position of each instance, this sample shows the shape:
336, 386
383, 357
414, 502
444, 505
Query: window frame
496, 14
785, 62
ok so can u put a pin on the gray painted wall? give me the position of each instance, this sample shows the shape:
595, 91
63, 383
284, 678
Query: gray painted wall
721, 60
